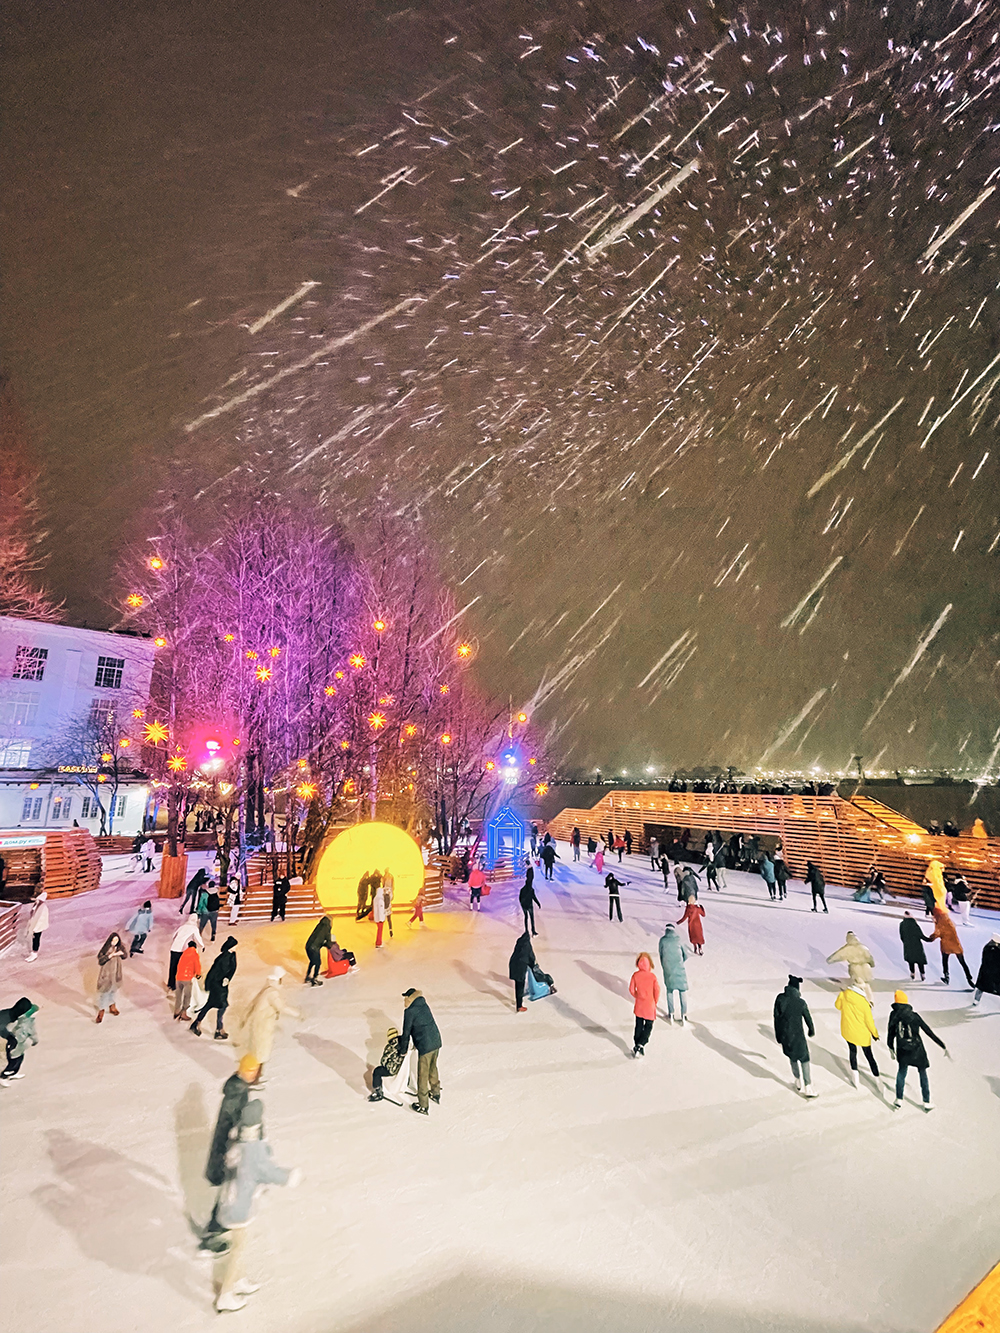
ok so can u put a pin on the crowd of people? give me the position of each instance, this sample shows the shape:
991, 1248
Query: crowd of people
240, 1162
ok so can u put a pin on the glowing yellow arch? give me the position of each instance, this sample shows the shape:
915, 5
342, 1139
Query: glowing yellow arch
364, 848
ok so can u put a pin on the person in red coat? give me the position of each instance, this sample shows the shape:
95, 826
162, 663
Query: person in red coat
645, 990
693, 914
951, 945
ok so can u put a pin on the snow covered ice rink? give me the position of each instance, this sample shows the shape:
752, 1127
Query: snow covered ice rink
560, 1185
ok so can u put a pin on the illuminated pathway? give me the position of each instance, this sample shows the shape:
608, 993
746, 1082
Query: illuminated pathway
560, 1185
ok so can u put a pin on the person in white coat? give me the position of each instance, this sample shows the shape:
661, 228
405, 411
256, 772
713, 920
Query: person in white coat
261, 1021
148, 851
184, 935
379, 914
38, 921
388, 889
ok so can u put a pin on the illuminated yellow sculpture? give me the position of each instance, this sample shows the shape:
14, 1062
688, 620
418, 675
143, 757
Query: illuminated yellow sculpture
364, 848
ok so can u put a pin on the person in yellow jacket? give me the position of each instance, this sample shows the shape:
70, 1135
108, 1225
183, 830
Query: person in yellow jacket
979, 829
934, 877
857, 1027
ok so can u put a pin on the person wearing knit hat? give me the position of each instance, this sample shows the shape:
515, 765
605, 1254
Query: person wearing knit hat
905, 1043
914, 940
258, 1027
220, 974
235, 1096
250, 1166
989, 969
790, 1012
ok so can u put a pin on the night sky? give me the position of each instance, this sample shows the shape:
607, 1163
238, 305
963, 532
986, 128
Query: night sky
675, 330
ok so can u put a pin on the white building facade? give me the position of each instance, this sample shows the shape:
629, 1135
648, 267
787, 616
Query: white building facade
61, 688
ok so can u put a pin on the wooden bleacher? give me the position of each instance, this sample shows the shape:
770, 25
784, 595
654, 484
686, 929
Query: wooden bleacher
843, 837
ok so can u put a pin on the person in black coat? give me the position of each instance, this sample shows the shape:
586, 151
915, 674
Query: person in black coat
528, 903
914, 940
418, 1024
193, 887
781, 878
549, 857
521, 959
790, 1012
279, 898
235, 1095
319, 940
989, 969
904, 1041
220, 974
614, 887
815, 880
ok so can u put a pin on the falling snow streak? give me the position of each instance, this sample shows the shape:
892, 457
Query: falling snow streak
702, 311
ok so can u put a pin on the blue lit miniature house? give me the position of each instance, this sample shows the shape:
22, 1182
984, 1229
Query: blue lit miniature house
505, 839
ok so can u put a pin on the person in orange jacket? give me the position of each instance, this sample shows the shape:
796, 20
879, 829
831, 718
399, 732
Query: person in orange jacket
188, 968
645, 990
944, 930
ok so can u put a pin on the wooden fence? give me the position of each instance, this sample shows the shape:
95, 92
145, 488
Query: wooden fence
844, 838
64, 862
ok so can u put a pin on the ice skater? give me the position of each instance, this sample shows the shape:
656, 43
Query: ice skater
148, 852
645, 991
140, 923
673, 956
185, 934
549, 858
38, 923
905, 1027
766, 868
860, 963
379, 913
575, 843
388, 1067
780, 877
419, 903
654, 854
388, 893
988, 979
614, 888
529, 902
522, 958
17, 1028
857, 1027
418, 1024
193, 889
261, 1020
477, 878
959, 895
188, 968
235, 1095
951, 945
318, 940
220, 974
914, 940
790, 1012
694, 914
249, 1166
279, 897
816, 882
109, 978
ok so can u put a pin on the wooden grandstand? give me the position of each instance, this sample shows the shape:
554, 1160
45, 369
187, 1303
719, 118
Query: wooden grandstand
843, 837
60, 861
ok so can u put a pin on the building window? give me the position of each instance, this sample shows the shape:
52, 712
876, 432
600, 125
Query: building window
102, 714
109, 673
85, 810
32, 808
61, 807
120, 808
19, 709
29, 663
14, 753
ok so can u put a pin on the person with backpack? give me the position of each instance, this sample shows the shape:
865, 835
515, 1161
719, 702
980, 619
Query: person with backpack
914, 940
904, 1041
140, 923
790, 1013
522, 958
220, 974
645, 991
816, 882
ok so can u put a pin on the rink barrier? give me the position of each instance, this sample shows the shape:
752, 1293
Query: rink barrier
844, 838
302, 901
8, 924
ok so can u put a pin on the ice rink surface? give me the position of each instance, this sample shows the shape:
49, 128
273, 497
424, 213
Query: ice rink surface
560, 1185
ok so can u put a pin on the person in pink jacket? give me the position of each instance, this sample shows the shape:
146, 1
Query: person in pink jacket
645, 990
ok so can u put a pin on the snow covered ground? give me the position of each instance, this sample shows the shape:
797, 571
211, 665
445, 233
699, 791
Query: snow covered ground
559, 1185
